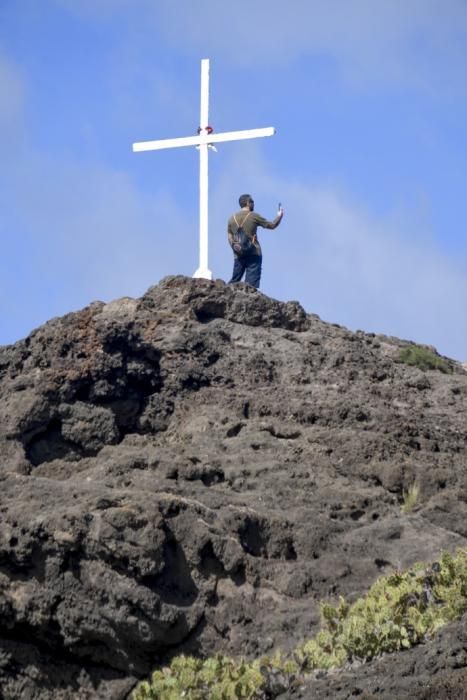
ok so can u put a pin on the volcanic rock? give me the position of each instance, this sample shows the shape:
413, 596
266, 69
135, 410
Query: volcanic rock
193, 471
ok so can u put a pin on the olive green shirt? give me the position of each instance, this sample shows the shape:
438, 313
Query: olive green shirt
249, 221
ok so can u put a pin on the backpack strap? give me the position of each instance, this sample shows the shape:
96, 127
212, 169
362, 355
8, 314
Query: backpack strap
243, 222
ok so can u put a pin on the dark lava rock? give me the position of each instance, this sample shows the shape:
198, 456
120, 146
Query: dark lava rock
195, 470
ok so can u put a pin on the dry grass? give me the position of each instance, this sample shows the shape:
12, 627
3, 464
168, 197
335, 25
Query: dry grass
411, 497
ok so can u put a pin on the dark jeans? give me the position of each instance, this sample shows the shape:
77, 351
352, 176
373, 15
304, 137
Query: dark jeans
252, 265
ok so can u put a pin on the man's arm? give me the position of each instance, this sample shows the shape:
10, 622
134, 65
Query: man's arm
229, 231
264, 223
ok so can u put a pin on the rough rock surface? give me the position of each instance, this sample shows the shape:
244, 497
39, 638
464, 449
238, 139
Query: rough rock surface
195, 470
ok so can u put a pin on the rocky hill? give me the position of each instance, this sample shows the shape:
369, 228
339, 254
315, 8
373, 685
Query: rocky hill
195, 470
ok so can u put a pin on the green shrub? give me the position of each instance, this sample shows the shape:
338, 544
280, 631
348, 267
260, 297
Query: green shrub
424, 359
217, 678
399, 611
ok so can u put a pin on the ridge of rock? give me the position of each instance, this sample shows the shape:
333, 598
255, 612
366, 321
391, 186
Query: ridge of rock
196, 469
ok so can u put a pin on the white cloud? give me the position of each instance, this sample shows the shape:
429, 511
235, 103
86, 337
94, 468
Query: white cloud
12, 94
415, 43
420, 42
112, 238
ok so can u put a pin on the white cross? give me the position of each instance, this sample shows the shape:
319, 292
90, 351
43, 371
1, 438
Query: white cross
203, 142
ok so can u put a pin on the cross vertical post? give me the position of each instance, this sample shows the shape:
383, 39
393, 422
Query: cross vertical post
203, 269
204, 140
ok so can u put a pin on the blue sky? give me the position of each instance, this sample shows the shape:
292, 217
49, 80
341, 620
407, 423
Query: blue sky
369, 100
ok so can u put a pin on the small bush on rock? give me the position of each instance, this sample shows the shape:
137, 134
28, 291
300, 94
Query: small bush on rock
423, 359
217, 678
410, 498
399, 611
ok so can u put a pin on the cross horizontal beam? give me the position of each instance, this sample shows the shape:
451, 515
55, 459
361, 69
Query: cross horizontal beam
203, 139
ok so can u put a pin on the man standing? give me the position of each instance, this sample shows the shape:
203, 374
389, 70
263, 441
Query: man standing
248, 220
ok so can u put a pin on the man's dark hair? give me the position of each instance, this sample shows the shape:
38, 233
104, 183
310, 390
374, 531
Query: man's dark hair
244, 200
